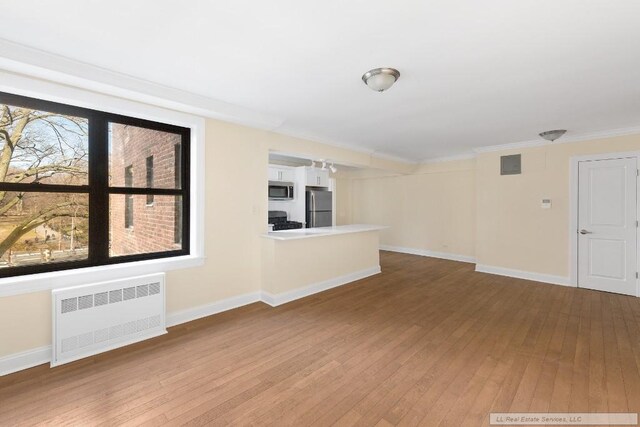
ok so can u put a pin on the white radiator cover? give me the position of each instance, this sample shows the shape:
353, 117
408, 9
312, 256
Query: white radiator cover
95, 318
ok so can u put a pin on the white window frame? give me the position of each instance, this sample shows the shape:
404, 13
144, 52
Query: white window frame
35, 88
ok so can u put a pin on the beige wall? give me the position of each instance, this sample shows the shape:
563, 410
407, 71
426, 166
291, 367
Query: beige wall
235, 215
25, 322
512, 230
343, 201
461, 207
432, 209
292, 264
467, 208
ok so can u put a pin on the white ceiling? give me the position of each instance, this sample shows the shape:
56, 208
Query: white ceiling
474, 73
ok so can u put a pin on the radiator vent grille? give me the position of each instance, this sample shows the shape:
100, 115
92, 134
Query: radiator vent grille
96, 318
115, 296
154, 288
83, 302
128, 293
142, 291
101, 298
69, 305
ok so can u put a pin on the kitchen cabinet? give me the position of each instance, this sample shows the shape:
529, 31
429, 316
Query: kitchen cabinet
281, 174
317, 177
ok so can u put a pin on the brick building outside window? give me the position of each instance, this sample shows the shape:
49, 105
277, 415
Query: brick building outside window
144, 158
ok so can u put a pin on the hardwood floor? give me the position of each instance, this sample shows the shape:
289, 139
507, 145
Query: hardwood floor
427, 342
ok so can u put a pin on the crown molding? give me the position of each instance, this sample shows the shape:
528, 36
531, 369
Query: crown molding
296, 133
392, 157
462, 156
35, 63
578, 137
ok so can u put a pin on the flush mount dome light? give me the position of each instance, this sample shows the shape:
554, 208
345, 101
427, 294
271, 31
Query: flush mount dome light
380, 79
552, 135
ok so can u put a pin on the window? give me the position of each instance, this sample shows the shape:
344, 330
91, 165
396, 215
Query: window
70, 194
149, 164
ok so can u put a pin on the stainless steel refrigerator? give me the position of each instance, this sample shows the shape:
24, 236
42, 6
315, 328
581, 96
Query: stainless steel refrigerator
319, 208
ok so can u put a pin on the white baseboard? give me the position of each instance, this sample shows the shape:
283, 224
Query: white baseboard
24, 360
190, 314
432, 254
275, 300
527, 275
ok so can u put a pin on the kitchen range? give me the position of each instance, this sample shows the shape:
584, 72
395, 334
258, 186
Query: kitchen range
278, 221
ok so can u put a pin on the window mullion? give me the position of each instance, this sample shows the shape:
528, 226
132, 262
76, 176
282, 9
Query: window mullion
98, 189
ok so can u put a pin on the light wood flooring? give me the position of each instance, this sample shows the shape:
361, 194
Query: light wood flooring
427, 342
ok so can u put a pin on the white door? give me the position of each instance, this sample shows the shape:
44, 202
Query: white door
607, 225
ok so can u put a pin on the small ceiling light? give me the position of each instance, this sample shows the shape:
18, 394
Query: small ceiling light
381, 79
552, 135
333, 168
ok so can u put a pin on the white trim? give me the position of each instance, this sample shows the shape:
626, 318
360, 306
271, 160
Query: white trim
527, 275
81, 276
195, 313
24, 360
462, 156
275, 300
54, 92
573, 221
428, 253
573, 208
577, 137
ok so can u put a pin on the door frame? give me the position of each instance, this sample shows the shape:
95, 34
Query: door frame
573, 209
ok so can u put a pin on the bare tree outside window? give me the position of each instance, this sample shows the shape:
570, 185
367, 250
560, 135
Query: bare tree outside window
49, 151
74, 181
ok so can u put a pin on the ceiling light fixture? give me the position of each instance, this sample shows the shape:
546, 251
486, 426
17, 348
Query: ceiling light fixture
381, 79
552, 135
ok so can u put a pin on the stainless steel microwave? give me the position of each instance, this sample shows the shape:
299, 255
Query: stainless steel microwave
280, 190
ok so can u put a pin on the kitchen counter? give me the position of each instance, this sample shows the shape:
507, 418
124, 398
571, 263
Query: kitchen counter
297, 263
305, 233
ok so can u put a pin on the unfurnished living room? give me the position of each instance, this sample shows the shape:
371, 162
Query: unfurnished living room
296, 213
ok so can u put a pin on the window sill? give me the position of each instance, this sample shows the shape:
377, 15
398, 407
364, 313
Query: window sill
82, 276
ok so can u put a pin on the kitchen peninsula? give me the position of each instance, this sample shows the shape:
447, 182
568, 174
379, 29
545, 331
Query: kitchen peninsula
302, 262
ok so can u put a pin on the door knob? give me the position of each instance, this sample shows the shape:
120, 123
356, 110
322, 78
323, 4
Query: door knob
583, 231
